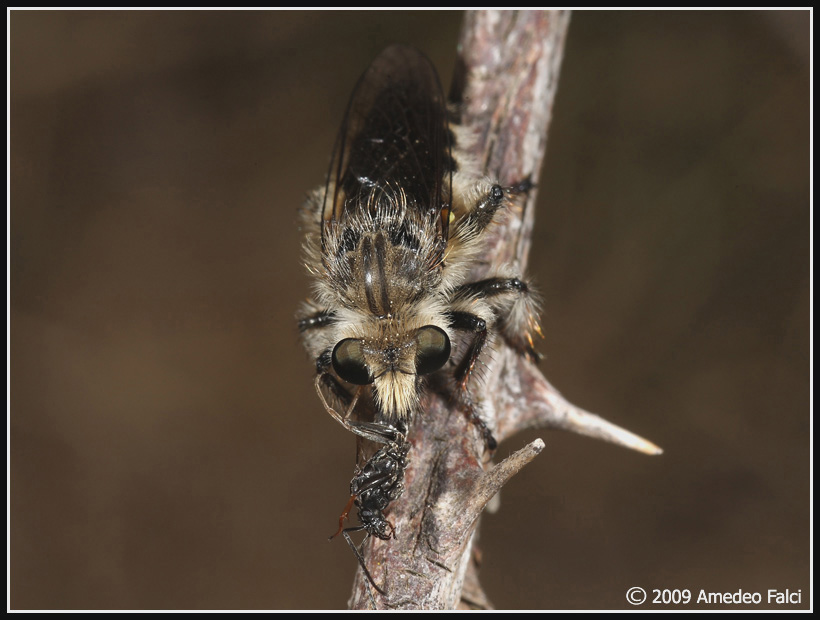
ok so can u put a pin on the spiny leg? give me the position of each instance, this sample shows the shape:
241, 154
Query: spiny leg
317, 320
477, 215
498, 291
340, 393
380, 433
481, 213
478, 326
324, 379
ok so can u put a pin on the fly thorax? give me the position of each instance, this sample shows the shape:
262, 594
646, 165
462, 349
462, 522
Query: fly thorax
386, 270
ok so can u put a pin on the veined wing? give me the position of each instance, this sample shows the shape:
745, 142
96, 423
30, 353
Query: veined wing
394, 144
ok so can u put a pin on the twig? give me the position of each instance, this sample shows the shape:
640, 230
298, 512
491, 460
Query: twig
505, 83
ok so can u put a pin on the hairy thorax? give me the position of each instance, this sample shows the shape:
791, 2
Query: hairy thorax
383, 264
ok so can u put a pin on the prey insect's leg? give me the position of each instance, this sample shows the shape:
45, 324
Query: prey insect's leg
359, 557
380, 433
343, 516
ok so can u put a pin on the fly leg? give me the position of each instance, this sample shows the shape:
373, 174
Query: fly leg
505, 304
514, 307
478, 326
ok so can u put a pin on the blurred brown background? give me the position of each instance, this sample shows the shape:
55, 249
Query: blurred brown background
167, 448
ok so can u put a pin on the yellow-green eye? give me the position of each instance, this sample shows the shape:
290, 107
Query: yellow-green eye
433, 349
348, 362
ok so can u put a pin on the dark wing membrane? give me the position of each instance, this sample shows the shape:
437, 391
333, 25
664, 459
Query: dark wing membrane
394, 138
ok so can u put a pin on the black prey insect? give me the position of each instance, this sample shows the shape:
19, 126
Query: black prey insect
372, 489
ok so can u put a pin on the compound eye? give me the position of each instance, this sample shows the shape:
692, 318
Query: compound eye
433, 349
348, 362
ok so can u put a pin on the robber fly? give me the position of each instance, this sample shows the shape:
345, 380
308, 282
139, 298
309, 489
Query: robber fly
390, 242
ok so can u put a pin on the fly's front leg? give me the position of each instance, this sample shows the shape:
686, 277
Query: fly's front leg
374, 431
380, 433
313, 326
